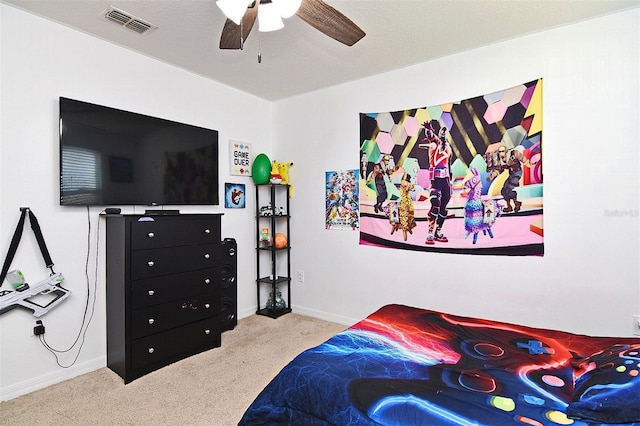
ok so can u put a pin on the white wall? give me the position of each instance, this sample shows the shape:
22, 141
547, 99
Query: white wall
588, 279
41, 61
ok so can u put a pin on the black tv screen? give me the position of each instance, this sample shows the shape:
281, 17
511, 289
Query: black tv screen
114, 157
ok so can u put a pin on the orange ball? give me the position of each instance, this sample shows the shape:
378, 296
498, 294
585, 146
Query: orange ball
281, 240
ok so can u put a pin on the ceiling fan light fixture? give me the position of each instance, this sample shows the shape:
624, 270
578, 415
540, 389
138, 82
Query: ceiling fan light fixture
269, 18
287, 8
234, 9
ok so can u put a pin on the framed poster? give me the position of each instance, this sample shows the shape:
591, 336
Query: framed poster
234, 195
239, 158
341, 205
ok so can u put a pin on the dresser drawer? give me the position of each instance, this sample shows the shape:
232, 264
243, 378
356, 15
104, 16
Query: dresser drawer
177, 343
163, 261
157, 318
162, 289
155, 232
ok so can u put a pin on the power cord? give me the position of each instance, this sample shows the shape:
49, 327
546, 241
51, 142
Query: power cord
85, 321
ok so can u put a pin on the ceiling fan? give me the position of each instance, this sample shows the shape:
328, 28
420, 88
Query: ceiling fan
242, 14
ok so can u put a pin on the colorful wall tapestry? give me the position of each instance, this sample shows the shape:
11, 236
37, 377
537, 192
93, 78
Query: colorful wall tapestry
341, 206
461, 177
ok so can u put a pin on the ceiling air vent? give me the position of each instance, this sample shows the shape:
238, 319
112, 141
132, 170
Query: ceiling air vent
127, 20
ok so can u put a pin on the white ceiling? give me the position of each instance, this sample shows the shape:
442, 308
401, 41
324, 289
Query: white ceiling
300, 59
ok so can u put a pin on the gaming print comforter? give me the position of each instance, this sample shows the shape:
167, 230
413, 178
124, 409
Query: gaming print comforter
407, 366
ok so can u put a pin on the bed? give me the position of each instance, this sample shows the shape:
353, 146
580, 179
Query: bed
407, 366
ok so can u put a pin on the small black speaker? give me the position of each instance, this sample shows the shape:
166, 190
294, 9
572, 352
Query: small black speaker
228, 285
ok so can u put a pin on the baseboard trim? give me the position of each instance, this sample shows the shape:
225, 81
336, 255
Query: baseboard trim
41, 382
246, 313
326, 316
310, 313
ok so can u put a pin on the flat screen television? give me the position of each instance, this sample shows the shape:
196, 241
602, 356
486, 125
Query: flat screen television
114, 157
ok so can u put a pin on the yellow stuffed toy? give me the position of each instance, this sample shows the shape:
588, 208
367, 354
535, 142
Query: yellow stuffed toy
274, 176
283, 168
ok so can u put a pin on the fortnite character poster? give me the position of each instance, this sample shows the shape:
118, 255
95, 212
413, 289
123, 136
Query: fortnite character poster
461, 177
341, 206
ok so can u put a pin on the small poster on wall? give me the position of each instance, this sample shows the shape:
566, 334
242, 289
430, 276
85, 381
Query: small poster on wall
341, 207
239, 158
234, 195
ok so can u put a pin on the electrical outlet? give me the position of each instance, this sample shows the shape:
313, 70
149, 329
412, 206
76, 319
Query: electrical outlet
636, 325
300, 276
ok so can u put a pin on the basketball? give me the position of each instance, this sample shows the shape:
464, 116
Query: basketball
281, 240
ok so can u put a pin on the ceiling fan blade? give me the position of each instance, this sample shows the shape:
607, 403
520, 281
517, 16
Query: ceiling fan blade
231, 37
329, 21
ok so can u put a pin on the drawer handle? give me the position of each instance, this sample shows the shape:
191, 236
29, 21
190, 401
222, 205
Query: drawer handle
232, 252
207, 256
151, 350
207, 306
151, 235
207, 231
151, 320
207, 331
207, 281
150, 263
151, 292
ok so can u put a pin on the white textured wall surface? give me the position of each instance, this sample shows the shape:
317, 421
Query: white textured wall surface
588, 279
42, 61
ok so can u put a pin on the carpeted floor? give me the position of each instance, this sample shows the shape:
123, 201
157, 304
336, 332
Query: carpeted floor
211, 388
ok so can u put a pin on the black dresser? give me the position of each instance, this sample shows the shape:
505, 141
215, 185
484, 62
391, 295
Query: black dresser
163, 290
